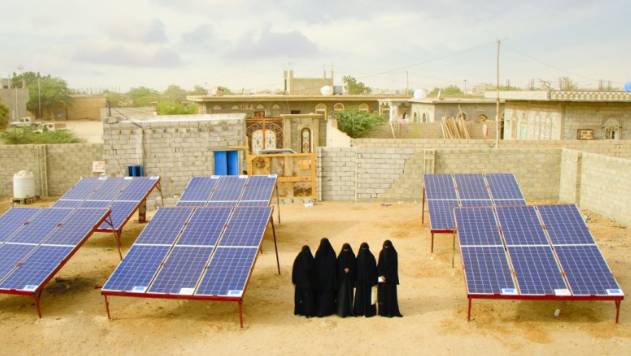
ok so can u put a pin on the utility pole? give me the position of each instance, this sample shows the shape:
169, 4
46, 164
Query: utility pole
465, 87
39, 97
407, 82
497, 91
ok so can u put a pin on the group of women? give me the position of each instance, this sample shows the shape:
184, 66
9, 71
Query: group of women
342, 285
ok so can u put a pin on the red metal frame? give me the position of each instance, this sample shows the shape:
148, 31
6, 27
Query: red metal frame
37, 293
238, 300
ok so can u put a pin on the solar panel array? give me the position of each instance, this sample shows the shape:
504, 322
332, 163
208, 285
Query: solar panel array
228, 191
445, 191
34, 242
122, 195
194, 251
544, 250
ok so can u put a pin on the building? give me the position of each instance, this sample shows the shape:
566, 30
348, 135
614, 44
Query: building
409, 110
566, 115
14, 98
304, 86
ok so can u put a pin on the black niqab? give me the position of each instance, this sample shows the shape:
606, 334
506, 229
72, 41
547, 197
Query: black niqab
346, 280
304, 272
366, 279
387, 291
325, 263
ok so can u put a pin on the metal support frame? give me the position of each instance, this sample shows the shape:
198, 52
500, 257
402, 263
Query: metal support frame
278, 202
275, 245
240, 312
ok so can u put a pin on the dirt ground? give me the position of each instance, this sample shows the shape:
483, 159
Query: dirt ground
431, 297
89, 130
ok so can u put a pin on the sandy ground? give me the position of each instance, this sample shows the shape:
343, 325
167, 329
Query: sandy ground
89, 130
432, 300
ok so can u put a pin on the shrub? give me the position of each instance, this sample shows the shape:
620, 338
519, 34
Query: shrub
356, 123
176, 109
25, 136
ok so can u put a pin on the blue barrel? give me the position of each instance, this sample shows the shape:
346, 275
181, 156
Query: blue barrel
134, 171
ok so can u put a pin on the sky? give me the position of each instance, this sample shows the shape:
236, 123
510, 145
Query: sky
246, 45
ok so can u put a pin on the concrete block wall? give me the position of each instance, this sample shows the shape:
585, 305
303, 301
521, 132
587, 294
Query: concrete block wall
335, 137
336, 173
377, 170
569, 189
58, 167
427, 130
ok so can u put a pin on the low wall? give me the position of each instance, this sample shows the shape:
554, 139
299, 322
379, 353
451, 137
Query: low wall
56, 167
427, 130
335, 137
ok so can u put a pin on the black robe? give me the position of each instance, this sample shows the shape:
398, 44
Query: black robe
304, 278
387, 292
325, 263
366, 279
345, 281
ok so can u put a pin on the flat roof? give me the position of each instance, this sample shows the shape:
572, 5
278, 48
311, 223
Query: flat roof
575, 96
268, 97
443, 101
184, 118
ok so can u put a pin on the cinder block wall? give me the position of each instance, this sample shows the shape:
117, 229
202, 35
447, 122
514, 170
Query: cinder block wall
570, 176
335, 137
61, 165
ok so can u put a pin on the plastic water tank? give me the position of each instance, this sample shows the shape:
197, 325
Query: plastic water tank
326, 90
420, 94
627, 86
23, 185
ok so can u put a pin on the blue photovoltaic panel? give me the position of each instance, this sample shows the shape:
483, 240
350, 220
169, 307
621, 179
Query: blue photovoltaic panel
204, 227
439, 186
536, 270
83, 188
253, 203
586, 270
181, 271
67, 203
477, 226
110, 189
36, 268
259, 188
13, 220
504, 186
229, 188
471, 203
441, 215
486, 269
165, 226
521, 226
41, 226
199, 189
121, 210
227, 272
246, 227
508, 202
222, 203
76, 227
95, 204
472, 186
191, 203
11, 255
137, 189
565, 224
137, 269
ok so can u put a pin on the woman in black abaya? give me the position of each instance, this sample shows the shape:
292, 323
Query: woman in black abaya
304, 278
366, 279
325, 264
388, 280
346, 264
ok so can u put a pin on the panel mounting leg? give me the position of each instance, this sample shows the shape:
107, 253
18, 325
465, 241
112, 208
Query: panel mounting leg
618, 302
36, 297
453, 254
241, 314
107, 308
278, 202
423, 208
117, 238
469, 310
275, 245
432, 244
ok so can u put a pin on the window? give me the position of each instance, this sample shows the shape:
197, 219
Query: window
536, 130
363, 107
462, 116
305, 141
216, 108
385, 111
260, 107
275, 110
612, 129
338, 107
321, 109
424, 118
294, 112
547, 128
235, 108
415, 117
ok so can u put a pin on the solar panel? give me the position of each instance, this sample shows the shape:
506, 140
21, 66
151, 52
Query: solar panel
509, 202
440, 214
228, 272
165, 226
586, 270
536, 270
486, 270
121, 210
83, 188
137, 269
229, 188
95, 204
11, 255
477, 226
476, 202
521, 226
221, 203
182, 270
138, 188
439, 186
504, 186
36, 268
565, 224
191, 203
110, 189
76, 226
41, 226
259, 188
246, 227
245, 203
13, 220
64, 203
199, 189
472, 186
204, 227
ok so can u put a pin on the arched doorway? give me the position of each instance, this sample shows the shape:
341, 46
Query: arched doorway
612, 129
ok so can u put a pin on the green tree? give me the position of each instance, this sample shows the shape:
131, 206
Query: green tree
354, 87
356, 123
174, 94
51, 91
451, 90
198, 90
4, 115
142, 96
176, 109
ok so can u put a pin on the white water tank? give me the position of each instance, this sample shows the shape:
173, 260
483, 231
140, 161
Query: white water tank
23, 185
420, 94
326, 90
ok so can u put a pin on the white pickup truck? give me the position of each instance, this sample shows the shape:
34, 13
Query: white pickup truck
23, 122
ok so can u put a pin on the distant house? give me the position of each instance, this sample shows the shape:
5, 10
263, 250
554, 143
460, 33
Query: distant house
304, 86
566, 115
410, 110
13, 98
